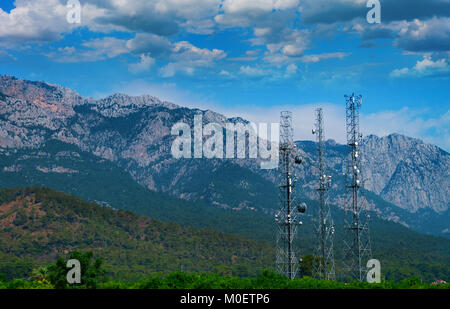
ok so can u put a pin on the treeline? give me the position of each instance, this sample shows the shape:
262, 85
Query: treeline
93, 275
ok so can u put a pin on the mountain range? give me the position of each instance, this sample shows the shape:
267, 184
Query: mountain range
406, 180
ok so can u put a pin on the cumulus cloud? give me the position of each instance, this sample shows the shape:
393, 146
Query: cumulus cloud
239, 13
329, 12
271, 22
417, 36
411, 25
186, 57
424, 67
251, 71
185, 51
425, 36
143, 65
33, 22
37, 21
291, 69
160, 17
149, 43
275, 26
92, 50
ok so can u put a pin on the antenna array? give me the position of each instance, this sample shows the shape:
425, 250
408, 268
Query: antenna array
323, 263
288, 215
357, 248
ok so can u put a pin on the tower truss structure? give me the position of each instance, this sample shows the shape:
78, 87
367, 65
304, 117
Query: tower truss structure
288, 216
323, 263
357, 248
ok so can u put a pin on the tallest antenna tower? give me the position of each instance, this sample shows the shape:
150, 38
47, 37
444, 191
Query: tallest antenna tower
357, 250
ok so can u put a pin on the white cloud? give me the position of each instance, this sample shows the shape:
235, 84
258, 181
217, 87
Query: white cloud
427, 64
424, 67
143, 65
320, 57
205, 26
160, 17
291, 69
251, 71
172, 68
425, 35
185, 51
293, 49
182, 56
33, 22
38, 21
245, 6
225, 73
329, 12
186, 57
92, 50
149, 43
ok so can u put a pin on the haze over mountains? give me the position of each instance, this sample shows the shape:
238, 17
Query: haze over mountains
407, 179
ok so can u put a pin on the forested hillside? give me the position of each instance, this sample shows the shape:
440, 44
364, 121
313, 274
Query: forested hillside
38, 224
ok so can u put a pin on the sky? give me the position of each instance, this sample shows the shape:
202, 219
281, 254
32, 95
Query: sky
248, 58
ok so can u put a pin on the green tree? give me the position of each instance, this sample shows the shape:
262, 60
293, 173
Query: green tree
40, 274
92, 271
20, 218
306, 265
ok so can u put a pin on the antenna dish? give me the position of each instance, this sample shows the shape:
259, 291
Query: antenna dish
301, 208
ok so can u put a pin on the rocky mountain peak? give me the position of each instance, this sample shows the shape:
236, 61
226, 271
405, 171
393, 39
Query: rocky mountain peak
56, 99
119, 105
407, 171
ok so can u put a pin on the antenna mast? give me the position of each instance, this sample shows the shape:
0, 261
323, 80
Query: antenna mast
357, 250
324, 256
287, 217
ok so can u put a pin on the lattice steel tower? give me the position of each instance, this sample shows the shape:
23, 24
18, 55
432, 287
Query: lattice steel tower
357, 250
323, 264
287, 217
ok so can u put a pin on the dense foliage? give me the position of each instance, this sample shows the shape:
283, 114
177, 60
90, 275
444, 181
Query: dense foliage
266, 280
91, 271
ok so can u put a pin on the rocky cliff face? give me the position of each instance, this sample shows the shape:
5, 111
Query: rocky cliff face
134, 132
407, 172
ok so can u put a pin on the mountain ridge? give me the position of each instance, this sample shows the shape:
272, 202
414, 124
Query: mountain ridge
137, 137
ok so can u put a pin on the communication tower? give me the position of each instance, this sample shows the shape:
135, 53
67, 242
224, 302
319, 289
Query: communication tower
288, 216
357, 249
323, 263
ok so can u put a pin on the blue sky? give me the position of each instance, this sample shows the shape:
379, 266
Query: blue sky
250, 58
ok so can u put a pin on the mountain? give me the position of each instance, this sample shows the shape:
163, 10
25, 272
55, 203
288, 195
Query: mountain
39, 224
65, 167
406, 180
417, 167
416, 196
